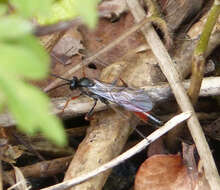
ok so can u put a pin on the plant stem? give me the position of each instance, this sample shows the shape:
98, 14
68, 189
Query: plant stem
198, 61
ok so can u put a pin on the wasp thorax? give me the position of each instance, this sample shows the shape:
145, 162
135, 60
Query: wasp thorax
86, 82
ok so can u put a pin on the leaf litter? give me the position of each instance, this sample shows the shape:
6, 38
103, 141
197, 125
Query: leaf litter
157, 172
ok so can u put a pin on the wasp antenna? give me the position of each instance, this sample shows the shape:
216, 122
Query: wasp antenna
60, 77
58, 86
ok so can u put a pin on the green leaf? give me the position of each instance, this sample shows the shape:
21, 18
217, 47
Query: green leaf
3, 9
30, 108
30, 8
60, 10
2, 100
24, 57
88, 11
69, 9
3, 1
14, 27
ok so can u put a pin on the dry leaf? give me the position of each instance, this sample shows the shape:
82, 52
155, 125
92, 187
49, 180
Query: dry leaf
10, 153
105, 33
162, 172
107, 9
68, 46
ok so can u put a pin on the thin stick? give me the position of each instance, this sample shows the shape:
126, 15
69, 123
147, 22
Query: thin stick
98, 53
41, 169
116, 161
168, 68
61, 26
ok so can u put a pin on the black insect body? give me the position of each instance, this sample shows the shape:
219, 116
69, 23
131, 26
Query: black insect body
135, 100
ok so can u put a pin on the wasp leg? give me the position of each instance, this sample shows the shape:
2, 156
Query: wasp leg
103, 100
68, 101
88, 115
96, 98
123, 82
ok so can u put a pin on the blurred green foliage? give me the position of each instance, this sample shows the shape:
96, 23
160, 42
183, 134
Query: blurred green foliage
23, 58
67, 9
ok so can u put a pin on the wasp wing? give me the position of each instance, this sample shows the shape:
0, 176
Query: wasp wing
131, 99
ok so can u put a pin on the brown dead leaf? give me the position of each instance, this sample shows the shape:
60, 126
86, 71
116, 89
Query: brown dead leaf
68, 46
10, 153
156, 147
49, 41
111, 8
105, 33
166, 172
162, 172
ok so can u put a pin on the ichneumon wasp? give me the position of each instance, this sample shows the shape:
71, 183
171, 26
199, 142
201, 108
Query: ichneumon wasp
135, 100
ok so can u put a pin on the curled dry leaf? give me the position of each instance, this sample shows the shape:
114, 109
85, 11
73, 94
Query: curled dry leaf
10, 153
166, 172
107, 9
49, 41
68, 46
162, 172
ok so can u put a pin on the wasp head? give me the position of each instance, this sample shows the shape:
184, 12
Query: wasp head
73, 83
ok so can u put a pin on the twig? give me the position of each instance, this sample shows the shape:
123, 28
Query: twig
61, 26
201, 115
41, 169
116, 161
167, 66
210, 87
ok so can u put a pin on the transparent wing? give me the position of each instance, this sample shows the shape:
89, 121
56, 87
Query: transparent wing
131, 99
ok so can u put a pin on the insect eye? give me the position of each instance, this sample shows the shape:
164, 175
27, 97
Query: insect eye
73, 83
72, 86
